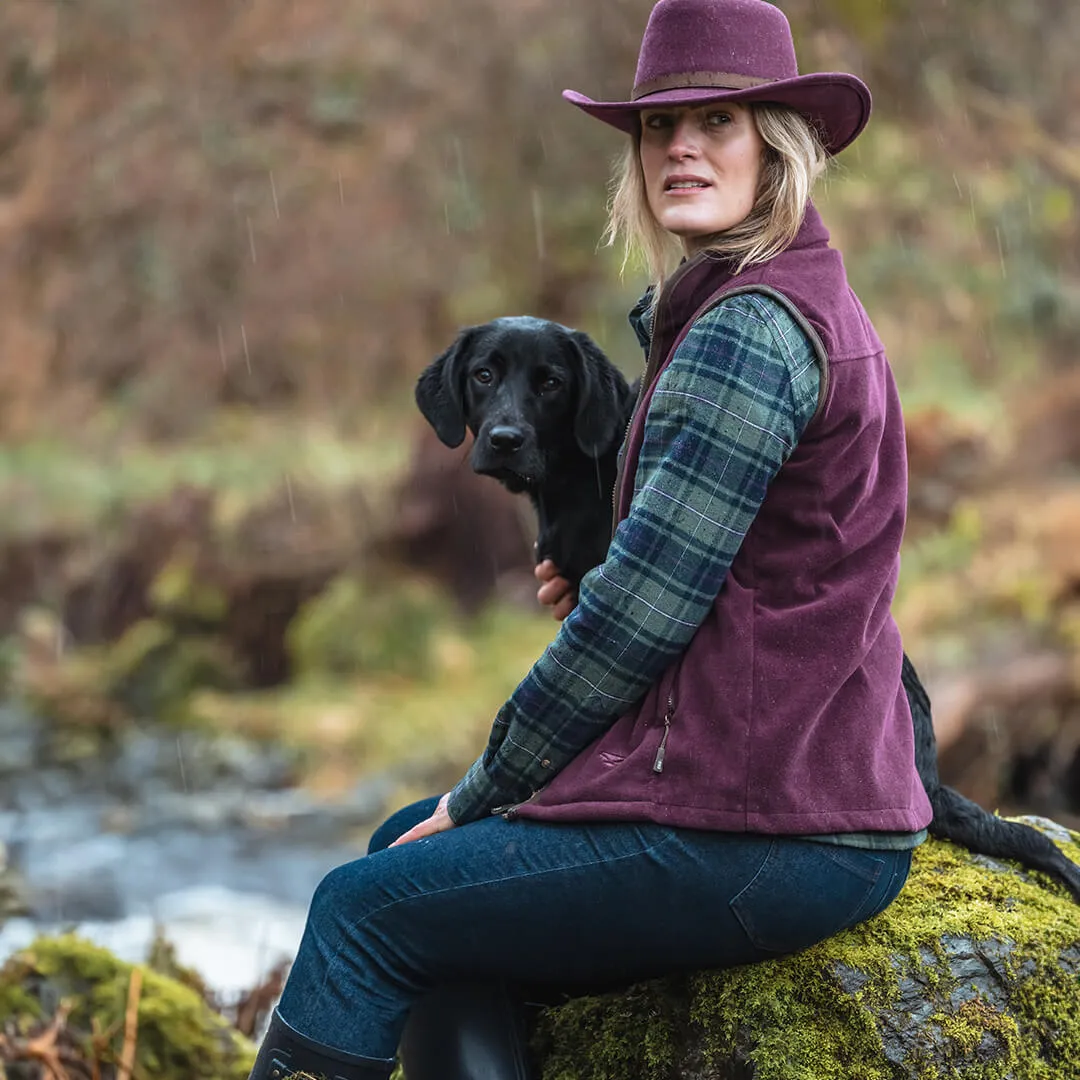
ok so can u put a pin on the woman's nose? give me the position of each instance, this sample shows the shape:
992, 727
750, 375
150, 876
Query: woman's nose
684, 138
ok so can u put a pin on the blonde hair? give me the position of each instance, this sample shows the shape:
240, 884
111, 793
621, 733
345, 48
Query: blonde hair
793, 161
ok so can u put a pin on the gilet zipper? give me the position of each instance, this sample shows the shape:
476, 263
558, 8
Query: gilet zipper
661, 750
509, 810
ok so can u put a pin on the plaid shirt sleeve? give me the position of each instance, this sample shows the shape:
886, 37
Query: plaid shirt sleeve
726, 414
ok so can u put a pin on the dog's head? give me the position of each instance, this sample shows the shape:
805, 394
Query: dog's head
531, 391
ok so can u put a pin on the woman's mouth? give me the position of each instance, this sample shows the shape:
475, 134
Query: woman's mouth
684, 185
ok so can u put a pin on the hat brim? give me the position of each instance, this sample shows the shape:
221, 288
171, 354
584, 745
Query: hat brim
836, 103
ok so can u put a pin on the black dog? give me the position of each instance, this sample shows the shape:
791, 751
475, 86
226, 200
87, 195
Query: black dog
549, 412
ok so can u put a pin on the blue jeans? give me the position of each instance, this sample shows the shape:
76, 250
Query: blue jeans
559, 905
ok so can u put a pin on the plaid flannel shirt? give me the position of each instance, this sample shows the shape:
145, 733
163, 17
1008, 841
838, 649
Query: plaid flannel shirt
727, 413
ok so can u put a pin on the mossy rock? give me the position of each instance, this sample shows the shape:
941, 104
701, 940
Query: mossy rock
973, 972
177, 1035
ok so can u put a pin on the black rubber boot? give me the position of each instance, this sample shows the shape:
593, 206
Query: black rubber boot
286, 1053
468, 1032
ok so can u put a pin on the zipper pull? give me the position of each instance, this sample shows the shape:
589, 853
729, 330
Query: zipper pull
508, 811
661, 750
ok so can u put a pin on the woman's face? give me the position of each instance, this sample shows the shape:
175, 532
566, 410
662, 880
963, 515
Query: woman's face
701, 167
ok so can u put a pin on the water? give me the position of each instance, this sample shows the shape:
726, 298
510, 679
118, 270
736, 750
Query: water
205, 842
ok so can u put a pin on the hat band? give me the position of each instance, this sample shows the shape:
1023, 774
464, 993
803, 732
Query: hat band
682, 80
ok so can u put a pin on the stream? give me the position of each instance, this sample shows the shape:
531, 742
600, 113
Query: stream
197, 835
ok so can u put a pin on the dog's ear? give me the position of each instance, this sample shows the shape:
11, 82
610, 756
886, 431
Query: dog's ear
439, 389
602, 393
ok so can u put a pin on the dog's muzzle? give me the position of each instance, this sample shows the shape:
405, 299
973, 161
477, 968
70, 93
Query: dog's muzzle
507, 452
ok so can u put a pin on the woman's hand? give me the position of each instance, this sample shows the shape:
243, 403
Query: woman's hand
555, 591
439, 822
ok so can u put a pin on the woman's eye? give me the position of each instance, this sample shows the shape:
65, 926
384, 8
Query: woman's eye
718, 119
657, 121
483, 376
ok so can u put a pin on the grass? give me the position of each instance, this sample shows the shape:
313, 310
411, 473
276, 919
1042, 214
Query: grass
51, 486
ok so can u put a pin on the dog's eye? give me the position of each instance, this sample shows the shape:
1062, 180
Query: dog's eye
550, 384
483, 376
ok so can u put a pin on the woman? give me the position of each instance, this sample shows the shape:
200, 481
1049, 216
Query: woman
712, 763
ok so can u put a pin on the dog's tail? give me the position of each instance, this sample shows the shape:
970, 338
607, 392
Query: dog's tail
966, 823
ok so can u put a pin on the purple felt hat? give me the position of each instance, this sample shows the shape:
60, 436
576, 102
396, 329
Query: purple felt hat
697, 51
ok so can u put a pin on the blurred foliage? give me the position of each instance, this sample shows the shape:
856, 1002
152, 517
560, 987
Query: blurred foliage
295, 206
231, 235
357, 627
425, 704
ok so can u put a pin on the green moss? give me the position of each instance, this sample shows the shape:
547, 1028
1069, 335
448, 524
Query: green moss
179, 1037
18, 1005
974, 1024
632, 1034
793, 1019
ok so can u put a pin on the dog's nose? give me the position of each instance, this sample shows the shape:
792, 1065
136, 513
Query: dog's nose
506, 439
